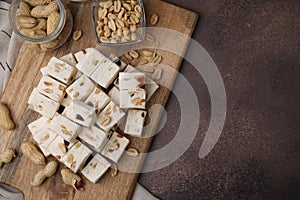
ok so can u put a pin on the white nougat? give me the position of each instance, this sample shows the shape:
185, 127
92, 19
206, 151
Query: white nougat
89, 62
37, 125
106, 73
76, 157
97, 100
42, 104
59, 70
115, 147
110, 116
96, 168
64, 127
80, 113
94, 136
135, 122
81, 88
51, 88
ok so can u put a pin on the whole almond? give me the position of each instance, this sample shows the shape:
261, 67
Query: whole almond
41, 24
52, 22
31, 33
44, 10
37, 2
25, 22
24, 9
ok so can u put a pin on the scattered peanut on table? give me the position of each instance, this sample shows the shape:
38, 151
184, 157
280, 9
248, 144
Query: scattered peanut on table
7, 156
5, 119
132, 152
71, 179
47, 172
77, 35
31, 152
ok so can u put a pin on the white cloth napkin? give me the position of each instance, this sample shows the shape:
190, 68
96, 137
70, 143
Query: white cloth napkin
10, 45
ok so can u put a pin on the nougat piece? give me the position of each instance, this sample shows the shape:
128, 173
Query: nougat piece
43, 138
114, 94
42, 104
135, 122
89, 61
105, 73
96, 168
81, 88
151, 86
94, 136
51, 88
59, 70
132, 81
59, 147
110, 116
118, 62
133, 99
81, 113
37, 125
115, 147
97, 100
70, 59
76, 157
64, 127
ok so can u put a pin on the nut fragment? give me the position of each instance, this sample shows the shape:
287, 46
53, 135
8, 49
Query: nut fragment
47, 172
157, 74
147, 53
157, 60
5, 120
146, 68
71, 179
77, 35
114, 170
117, 6
150, 38
30, 151
154, 19
105, 120
132, 152
102, 13
7, 156
134, 54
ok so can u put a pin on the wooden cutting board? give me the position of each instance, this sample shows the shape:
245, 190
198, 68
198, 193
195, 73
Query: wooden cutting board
26, 76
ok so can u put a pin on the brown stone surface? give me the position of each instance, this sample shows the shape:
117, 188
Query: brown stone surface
256, 46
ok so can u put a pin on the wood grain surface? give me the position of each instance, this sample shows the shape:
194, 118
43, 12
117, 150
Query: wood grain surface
26, 76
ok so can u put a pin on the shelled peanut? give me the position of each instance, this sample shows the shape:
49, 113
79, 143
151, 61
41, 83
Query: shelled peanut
37, 18
119, 21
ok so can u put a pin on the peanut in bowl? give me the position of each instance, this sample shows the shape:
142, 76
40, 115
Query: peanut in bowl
46, 23
119, 22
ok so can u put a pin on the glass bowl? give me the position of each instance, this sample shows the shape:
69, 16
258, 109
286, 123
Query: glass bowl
55, 39
112, 41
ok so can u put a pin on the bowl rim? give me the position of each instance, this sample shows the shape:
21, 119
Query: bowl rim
142, 29
13, 14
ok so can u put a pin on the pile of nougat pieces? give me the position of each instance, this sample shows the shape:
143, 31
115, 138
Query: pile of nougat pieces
83, 99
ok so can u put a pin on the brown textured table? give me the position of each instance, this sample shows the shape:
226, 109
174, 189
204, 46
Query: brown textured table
256, 46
